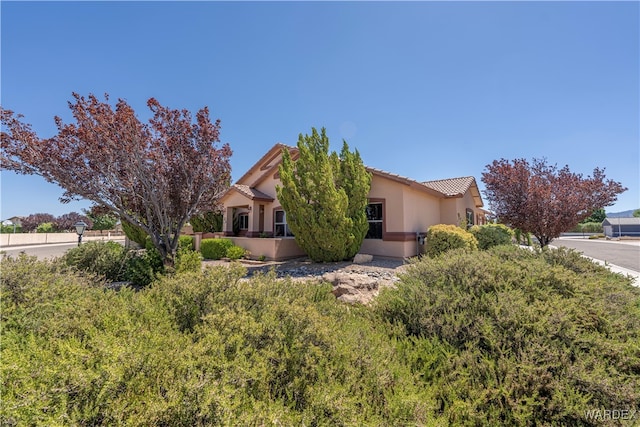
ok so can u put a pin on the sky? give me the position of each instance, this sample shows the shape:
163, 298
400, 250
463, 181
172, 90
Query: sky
427, 90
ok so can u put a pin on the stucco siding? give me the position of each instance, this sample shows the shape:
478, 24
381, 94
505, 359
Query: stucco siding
392, 195
449, 211
420, 211
388, 249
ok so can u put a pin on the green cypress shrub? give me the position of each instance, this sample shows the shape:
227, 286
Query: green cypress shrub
325, 198
208, 222
215, 248
444, 237
134, 233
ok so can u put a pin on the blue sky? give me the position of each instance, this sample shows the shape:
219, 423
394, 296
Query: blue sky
428, 90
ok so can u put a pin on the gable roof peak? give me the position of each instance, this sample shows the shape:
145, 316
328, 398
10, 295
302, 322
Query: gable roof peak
451, 186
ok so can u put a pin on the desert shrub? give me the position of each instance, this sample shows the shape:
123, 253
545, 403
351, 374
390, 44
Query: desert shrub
522, 238
115, 263
107, 259
444, 237
188, 260
185, 243
45, 227
589, 227
235, 252
523, 337
200, 348
6, 229
215, 248
143, 267
489, 235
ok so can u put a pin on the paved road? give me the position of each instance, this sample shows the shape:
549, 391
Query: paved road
51, 250
625, 254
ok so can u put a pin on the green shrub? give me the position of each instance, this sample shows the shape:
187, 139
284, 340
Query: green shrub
588, 227
7, 229
490, 235
208, 222
107, 259
45, 227
522, 238
215, 248
499, 337
116, 263
597, 236
134, 233
145, 265
200, 348
185, 243
444, 237
522, 337
188, 260
235, 252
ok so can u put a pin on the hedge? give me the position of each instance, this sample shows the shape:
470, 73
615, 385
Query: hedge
215, 248
490, 235
444, 237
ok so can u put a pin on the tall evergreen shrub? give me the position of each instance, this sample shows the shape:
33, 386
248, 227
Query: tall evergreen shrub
325, 198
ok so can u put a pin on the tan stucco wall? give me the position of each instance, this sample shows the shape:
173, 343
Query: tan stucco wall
391, 192
270, 248
449, 211
388, 249
420, 210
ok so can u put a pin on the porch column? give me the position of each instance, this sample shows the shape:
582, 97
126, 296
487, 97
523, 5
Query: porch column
227, 222
254, 220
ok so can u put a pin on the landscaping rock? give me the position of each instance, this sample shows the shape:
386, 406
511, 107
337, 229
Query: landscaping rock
353, 280
352, 283
362, 258
352, 287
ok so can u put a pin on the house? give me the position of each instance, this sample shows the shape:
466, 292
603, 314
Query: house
398, 209
619, 227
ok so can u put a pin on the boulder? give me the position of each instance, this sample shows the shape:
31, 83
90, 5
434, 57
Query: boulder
362, 258
352, 280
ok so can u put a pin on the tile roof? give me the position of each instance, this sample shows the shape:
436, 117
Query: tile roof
403, 179
251, 193
451, 186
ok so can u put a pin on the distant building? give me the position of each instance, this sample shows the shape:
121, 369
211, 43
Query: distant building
619, 227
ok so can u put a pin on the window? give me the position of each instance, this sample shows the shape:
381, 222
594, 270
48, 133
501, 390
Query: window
243, 221
374, 217
469, 217
281, 228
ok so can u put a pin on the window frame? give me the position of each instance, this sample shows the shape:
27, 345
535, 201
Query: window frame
470, 217
241, 219
381, 221
287, 230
